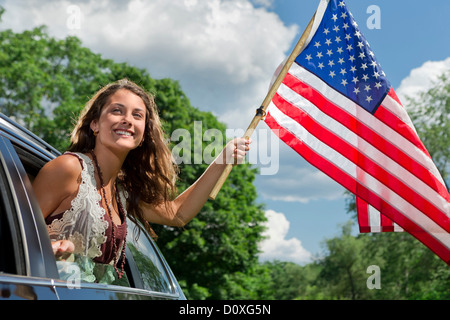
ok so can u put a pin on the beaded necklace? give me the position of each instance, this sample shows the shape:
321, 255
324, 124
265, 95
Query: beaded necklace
113, 225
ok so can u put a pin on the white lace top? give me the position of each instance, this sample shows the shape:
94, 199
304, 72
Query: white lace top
84, 223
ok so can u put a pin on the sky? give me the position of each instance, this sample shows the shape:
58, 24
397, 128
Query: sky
224, 54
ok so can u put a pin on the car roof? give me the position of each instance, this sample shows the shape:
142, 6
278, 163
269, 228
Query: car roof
17, 133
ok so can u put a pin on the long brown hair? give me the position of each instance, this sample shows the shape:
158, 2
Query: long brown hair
148, 172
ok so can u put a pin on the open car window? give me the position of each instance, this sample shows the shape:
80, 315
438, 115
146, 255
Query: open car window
144, 266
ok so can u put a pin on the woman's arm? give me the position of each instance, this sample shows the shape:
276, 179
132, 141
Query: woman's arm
186, 206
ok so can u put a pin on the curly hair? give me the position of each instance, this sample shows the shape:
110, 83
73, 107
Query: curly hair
148, 172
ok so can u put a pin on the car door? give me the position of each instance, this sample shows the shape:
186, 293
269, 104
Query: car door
25, 272
149, 274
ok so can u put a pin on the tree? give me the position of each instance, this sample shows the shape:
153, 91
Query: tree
45, 82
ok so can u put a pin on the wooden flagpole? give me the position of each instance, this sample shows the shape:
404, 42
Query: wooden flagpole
261, 111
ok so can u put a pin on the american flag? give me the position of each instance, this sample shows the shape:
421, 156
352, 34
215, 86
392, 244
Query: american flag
337, 109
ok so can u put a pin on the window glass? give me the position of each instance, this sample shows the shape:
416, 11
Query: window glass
152, 271
11, 254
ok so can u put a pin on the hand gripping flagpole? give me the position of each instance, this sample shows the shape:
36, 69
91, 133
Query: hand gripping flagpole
261, 111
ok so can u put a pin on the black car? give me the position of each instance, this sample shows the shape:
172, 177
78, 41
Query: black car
28, 268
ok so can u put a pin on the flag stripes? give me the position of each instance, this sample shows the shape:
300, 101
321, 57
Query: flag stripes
391, 170
371, 220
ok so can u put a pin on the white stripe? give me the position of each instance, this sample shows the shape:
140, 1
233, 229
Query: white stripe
396, 170
373, 123
370, 182
374, 219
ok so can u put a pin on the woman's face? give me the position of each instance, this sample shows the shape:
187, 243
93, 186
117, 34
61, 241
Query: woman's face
122, 121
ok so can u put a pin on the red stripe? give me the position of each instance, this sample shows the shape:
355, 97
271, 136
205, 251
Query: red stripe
386, 224
362, 210
366, 133
360, 159
352, 185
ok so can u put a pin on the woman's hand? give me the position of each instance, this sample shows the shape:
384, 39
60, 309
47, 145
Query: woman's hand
235, 151
62, 248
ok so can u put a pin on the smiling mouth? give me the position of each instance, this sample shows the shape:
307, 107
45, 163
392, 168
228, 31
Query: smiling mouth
124, 133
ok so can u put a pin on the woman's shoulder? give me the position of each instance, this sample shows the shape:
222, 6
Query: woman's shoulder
65, 166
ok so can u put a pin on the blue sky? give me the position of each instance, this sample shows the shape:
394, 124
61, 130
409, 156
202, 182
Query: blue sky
224, 53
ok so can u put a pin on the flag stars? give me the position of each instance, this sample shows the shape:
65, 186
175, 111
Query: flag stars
344, 59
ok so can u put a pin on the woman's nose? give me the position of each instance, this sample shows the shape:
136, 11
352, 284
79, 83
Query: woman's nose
127, 119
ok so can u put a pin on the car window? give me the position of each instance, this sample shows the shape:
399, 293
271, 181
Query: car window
11, 250
152, 271
9, 260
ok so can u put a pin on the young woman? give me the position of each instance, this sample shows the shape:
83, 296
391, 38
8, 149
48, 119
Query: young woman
118, 164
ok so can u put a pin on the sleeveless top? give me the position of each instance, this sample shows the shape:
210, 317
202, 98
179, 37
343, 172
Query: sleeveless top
86, 223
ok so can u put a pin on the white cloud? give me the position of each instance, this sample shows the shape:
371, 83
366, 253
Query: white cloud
421, 79
223, 52
276, 246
